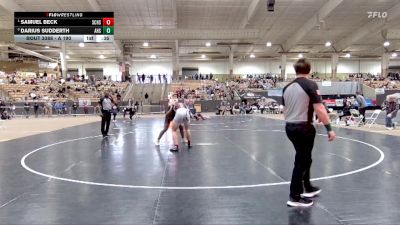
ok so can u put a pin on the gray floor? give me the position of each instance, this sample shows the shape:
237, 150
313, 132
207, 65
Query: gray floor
236, 173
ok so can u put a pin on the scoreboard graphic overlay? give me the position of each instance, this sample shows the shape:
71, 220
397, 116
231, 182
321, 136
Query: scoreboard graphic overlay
64, 26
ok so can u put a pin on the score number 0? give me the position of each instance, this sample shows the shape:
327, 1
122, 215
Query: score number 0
108, 22
108, 25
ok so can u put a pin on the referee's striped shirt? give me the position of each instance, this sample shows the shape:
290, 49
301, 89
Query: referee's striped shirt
298, 99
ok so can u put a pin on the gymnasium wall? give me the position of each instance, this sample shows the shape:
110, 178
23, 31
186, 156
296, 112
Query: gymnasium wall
109, 69
322, 67
151, 68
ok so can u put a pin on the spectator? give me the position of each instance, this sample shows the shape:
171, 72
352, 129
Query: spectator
114, 111
2, 106
27, 107
391, 106
12, 109
236, 108
346, 114
48, 109
75, 108
5, 115
36, 109
85, 107
243, 108
228, 108
248, 109
130, 108
136, 107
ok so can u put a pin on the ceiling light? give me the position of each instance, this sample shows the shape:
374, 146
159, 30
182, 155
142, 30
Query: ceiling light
252, 55
328, 44
145, 44
101, 56
347, 55
46, 46
67, 56
386, 44
203, 56
394, 54
153, 57
81, 45
269, 44
300, 55
208, 44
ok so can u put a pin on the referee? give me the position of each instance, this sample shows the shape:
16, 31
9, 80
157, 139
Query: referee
301, 99
106, 106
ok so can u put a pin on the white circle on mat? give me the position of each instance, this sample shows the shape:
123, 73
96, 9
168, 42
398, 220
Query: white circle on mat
24, 165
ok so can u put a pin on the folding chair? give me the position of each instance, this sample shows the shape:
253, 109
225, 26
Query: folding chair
332, 116
371, 120
356, 117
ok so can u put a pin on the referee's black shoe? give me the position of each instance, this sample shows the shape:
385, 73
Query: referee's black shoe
300, 202
311, 192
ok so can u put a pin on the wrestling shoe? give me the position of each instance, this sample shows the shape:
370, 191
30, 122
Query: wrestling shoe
301, 202
175, 148
189, 144
157, 142
311, 192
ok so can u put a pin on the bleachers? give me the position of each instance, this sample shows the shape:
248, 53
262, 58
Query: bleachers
190, 84
93, 96
193, 85
137, 92
156, 93
20, 92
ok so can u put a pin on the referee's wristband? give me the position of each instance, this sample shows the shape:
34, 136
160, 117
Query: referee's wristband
328, 127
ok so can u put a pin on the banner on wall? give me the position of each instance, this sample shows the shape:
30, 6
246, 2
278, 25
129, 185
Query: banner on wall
326, 83
379, 91
84, 102
330, 102
250, 95
275, 92
339, 102
333, 102
47, 65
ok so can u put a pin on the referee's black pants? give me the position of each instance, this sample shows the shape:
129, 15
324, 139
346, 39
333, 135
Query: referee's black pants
105, 122
362, 112
302, 136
